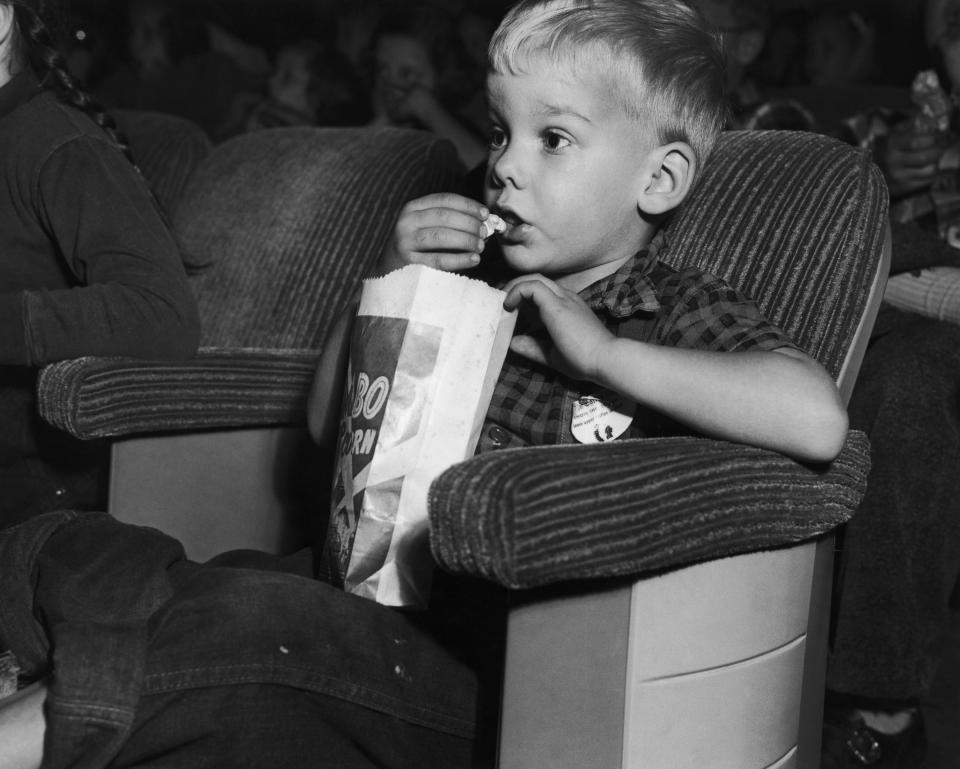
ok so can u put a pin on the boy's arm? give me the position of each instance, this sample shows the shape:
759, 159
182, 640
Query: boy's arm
781, 400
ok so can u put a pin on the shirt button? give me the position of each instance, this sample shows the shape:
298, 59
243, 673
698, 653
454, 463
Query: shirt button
498, 436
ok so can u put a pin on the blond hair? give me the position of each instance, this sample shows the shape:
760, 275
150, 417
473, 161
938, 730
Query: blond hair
664, 60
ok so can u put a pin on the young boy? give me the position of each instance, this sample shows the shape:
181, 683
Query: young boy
602, 113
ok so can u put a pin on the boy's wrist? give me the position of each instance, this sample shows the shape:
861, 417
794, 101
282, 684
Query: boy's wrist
607, 360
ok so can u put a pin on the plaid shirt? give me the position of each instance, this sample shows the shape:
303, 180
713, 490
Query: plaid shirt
644, 300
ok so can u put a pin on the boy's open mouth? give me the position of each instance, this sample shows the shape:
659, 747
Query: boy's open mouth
513, 225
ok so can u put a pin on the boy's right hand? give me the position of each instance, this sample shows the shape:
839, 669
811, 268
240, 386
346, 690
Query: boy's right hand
443, 230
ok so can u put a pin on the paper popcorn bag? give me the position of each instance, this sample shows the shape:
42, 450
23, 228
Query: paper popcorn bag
425, 353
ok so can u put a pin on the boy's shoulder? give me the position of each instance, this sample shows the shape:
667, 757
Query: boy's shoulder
682, 306
651, 278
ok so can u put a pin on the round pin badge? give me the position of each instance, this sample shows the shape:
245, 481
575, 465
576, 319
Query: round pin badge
601, 417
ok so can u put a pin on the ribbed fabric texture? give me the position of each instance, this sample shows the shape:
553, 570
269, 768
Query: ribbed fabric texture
794, 220
166, 148
220, 387
291, 219
534, 516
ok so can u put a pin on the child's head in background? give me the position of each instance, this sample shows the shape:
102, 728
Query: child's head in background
839, 48
602, 113
415, 46
743, 26
291, 83
160, 35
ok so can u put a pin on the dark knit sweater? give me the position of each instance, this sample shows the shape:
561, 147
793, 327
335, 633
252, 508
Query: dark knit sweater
87, 265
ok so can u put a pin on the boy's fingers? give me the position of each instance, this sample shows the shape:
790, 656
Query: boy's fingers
449, 200
534, 288
456, 262
440, 261
433, 228
447, 240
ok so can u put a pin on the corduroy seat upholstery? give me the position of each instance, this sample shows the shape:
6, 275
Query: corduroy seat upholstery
672, 595
289, 220
167, 149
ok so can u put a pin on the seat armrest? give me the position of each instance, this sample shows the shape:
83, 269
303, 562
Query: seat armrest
536, 516
107, 397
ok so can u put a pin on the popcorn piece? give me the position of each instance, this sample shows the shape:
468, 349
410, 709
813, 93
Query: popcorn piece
492, 224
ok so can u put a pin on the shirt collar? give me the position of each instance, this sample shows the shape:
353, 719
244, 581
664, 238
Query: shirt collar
628, 290
20, 89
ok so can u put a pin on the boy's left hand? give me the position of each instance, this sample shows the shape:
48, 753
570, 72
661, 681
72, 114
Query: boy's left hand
577, 335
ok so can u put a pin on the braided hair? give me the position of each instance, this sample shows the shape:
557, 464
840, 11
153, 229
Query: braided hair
37, 23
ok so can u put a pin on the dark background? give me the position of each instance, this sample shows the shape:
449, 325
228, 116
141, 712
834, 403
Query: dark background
899, 23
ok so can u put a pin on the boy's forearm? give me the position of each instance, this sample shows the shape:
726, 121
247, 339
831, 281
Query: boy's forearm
780, 400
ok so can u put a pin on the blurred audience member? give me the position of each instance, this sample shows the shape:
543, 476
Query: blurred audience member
919, 153
89, 266
170, 67
839, 48
418, 78
356, 23
744, 24
309, 85
780, 62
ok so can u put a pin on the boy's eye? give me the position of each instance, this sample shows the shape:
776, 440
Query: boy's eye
497, 138
555, 142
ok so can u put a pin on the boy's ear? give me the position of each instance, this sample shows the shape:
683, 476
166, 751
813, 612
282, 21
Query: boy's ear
667, 177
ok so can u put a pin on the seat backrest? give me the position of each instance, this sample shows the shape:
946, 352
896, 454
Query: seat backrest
810, 261
292, 218
167, 149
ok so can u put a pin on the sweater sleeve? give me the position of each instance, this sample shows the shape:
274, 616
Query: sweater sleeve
131, 295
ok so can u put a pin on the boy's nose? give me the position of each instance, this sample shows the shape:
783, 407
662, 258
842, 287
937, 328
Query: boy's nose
504, 170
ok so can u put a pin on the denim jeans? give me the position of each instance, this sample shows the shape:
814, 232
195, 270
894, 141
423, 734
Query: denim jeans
245, 661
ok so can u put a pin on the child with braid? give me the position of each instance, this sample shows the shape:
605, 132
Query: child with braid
87, 265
